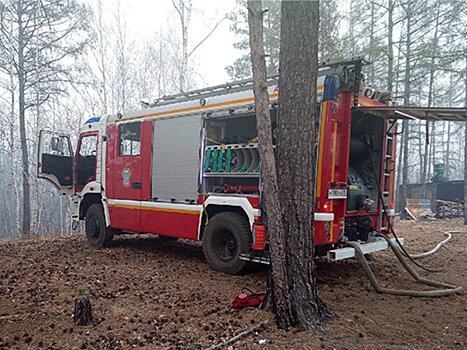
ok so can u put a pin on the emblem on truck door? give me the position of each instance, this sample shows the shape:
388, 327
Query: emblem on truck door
126, 174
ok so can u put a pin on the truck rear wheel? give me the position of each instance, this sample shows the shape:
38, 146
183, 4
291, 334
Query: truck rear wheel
97, 233
226, 236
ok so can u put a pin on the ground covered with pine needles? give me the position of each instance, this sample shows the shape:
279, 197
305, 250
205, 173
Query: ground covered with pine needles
154, 295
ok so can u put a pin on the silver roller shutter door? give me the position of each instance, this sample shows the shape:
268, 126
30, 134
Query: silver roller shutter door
176, 161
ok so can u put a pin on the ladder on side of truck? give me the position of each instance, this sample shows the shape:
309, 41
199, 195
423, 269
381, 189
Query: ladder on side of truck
388, 170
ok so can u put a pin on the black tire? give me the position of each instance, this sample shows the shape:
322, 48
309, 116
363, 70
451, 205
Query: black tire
226, 236
97, 233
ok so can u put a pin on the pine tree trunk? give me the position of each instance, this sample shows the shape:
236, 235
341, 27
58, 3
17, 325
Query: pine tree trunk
372, 44
420, 153
296, 298
407, 93
265, 144
447, 160
184, 11
433, 148
13, 169
26, 222
425, 159
102, 57
465, 147
390, 45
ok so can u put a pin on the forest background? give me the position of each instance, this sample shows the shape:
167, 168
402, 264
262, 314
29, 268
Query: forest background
64, 61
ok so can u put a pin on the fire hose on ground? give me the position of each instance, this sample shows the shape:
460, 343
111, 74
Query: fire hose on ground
448, 289
400, 252
436, 248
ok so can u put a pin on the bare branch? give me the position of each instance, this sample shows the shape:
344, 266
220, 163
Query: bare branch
207, 36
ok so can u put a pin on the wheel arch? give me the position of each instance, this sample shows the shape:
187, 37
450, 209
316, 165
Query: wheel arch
90, 199
213, 209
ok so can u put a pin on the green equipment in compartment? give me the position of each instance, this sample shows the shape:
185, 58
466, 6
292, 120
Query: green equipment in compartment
228, 158
219, 161
214, 161
207, 160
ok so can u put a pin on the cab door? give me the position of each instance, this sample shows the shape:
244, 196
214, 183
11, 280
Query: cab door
125, 172
55, 160
128, 162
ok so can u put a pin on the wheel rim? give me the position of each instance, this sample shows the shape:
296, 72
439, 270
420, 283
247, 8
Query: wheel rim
93, 227
225, 245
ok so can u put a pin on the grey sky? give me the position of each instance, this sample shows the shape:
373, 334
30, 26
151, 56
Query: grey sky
145, 17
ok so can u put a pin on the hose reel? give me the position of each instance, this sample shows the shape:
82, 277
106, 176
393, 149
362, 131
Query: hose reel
232, 159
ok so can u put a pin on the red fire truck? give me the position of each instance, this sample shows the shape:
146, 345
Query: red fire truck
188, 167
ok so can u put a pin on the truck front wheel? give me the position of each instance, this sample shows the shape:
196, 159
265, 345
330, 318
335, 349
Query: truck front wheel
97, 233
226, 236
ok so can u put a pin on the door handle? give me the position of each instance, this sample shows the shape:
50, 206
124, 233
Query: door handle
136, 185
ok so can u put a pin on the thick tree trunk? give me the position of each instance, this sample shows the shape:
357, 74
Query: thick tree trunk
266, 150
292, 284
296, 298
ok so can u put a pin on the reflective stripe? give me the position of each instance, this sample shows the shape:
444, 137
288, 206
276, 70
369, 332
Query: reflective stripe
165, 207
324, 217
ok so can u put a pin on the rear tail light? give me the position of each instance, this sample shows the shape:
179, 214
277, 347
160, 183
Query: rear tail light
260, 237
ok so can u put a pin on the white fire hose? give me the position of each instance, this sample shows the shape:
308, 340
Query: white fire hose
448, 235
446, 289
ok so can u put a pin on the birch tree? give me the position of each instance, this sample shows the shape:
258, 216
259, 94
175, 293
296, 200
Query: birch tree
184, 9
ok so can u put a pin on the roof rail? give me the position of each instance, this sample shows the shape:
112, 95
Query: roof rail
210, 91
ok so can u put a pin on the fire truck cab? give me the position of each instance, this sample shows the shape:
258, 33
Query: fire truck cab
188, 167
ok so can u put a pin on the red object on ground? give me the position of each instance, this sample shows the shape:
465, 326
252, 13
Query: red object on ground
247, 300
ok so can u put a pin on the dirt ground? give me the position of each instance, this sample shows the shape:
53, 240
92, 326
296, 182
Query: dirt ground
146, 294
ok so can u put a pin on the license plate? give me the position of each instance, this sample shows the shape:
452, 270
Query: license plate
337, 193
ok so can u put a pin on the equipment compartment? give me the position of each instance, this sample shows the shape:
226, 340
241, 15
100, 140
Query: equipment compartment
231, 159
366, 147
